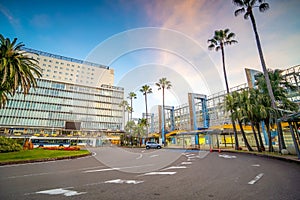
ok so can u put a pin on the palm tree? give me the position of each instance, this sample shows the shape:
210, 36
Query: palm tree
246, 7
218, 42
17, 69
239, 114
124, 104
163, 84
280, 87
131, 96
146, 89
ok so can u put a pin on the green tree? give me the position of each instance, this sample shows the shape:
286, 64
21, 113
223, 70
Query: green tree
18, 71
131, 96
221, 39
281, 87
246, 8
163, 84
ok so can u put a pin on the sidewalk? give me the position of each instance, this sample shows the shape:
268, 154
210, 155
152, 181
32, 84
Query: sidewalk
266, 154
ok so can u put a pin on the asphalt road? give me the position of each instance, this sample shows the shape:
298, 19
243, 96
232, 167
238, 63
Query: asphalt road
116, 173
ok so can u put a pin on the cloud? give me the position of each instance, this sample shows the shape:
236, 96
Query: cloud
40, 21
12, 20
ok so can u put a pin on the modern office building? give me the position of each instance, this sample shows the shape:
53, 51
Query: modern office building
209, 112
71, 96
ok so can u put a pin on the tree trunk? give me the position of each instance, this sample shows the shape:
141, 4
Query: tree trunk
255, 136
266, 75
262, 146
244, 136
267, 123
163, 115
146, 114
227, 90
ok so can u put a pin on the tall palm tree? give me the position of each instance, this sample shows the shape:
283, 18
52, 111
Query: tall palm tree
131, 96
146, 89
163, 84
246, 8
17, 69
221, 39
124, 104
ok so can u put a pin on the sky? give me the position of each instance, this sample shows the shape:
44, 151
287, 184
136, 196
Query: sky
145, 40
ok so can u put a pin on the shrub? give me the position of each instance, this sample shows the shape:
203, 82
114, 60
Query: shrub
9, 145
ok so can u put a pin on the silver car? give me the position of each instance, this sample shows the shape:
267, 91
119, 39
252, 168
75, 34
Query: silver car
152, 145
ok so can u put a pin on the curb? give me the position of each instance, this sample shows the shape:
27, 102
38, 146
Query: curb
287, 159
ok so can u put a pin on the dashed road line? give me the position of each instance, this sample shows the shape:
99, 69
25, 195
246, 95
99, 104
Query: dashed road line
120, 181
175, 167
60, 191
186, 163
159, 173
259, 176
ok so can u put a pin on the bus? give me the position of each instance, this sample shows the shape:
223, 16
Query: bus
57, 142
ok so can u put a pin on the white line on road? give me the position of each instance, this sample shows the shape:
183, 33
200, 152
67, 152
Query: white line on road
140, 156
256, 179
226, 156
175, 167
159, 173
28, 175
186, 163
120, 181
116, 168
153, 156
61, 191
256, 165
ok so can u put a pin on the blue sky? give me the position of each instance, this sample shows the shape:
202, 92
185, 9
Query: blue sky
144, 40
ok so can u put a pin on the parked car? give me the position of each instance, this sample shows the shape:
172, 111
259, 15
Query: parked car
152, 145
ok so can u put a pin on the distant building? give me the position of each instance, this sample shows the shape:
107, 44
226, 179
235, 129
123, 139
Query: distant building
72, 96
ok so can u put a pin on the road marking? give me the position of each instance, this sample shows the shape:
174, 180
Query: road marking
159, 173
175, 167
188, 155
226, 156
28, 175
140, 156
116, 168
256, 179
256, 165
101, 170
186, 163
153, 156
120, 181
61, 191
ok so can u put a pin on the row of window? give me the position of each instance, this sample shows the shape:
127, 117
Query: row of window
14, 121
48, 84
61, 63
40, 110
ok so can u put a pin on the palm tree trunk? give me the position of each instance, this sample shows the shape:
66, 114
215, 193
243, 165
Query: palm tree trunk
262, 60
262, 146
146, 114
163, 113
227, 90
255, 136
131, 109
244, 136
267, 123
265, 71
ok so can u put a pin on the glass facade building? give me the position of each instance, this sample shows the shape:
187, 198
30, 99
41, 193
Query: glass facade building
64, 106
